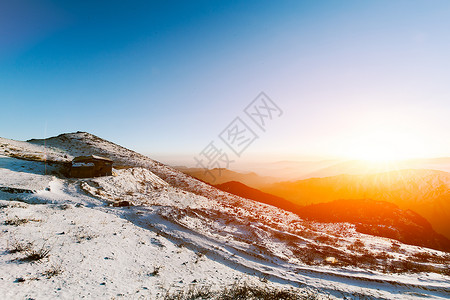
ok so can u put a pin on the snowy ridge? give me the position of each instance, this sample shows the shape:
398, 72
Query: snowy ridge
188, 231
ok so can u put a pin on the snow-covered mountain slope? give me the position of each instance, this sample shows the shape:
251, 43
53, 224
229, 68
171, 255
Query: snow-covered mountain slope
178, 232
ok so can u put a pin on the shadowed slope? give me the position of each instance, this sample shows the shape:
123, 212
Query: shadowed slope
245, 191
379, 218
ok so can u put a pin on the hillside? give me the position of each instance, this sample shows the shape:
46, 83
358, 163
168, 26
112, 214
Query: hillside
152, 230
244, 191
378, 218
426, 192
221, 176
372, 217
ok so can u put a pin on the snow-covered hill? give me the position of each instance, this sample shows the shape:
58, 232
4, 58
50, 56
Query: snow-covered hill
73, 238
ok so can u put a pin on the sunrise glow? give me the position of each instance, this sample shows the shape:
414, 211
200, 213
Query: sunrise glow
381, 146
384, 143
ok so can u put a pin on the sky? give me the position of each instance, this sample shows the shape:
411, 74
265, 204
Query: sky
356, 79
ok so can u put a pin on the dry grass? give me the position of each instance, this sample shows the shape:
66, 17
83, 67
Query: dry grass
16, 221
155, 271
36, 255
241, 291
18, 247
54, 270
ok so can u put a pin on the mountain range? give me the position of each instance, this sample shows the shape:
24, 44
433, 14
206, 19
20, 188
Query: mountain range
369, 216
425, 191
150, 230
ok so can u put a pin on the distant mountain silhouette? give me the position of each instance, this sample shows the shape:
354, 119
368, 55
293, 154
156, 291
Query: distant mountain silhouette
258, 174
219, 176
424, 191
379, 218
245, 191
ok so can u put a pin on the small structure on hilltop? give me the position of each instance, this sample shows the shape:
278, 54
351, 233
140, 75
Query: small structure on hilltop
91, 166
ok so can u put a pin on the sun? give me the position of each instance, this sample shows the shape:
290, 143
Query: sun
382, 145
375, 147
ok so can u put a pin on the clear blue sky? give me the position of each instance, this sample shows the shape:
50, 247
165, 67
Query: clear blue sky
166, 77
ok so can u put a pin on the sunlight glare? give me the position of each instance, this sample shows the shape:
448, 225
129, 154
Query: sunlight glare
382, 145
